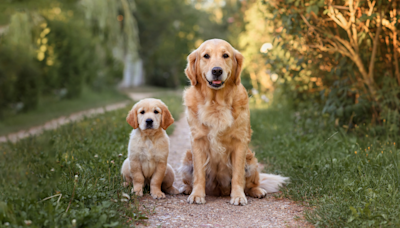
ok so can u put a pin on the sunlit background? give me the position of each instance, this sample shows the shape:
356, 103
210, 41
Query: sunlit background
58, 50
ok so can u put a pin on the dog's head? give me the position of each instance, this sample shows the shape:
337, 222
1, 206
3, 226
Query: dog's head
215, 63
150, 114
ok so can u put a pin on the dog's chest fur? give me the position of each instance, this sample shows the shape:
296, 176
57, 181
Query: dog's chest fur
148, 152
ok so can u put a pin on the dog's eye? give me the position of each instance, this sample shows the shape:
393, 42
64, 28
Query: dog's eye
156, 112
142, 112
225, 56
207, 56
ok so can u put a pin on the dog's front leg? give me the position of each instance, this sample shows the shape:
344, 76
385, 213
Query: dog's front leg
199, 174
238, 175
156, 181
137, 176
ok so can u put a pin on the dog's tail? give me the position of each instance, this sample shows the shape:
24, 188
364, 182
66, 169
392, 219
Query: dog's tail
272, 183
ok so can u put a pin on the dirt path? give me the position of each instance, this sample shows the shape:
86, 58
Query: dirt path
174, 211
54, 123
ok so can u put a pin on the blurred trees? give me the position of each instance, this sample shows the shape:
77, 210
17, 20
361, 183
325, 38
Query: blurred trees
342, 55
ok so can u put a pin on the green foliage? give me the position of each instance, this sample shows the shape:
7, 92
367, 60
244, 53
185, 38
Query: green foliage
75, 61
38, 175
348, 180
19, 87
340, 55
168, 31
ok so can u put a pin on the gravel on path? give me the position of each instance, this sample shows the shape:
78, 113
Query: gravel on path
174, 211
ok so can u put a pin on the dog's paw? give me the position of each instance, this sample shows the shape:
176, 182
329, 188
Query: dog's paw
137, 191
172, 190
257, 192
185, 190
239, 200
157, 194
196, 199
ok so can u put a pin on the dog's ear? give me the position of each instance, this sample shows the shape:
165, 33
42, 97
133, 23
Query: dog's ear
190, 70
166, 119
132, 118
239, 64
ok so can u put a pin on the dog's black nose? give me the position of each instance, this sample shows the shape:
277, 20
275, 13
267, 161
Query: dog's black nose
216, 71
149, 121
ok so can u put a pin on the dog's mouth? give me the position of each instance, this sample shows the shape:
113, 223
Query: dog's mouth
216, 83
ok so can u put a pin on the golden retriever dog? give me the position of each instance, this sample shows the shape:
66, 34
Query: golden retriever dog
148, 149
220, 161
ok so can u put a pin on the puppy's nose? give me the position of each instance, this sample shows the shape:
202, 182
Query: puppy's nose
216, 71
149, 121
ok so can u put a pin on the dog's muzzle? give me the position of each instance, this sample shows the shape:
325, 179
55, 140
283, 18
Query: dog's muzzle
149, 123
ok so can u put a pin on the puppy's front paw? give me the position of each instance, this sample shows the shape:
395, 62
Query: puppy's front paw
137, 191
185, 190
239, 200
157, 194
195, 198
257, 192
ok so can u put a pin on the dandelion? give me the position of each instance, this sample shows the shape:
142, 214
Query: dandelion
28, 222
384, 120
96, 156
382, 152
369, 148
7, 224
76, 177
394, 143
367, 155
119, 155
73, 222
52, 169
355, 152
366, 136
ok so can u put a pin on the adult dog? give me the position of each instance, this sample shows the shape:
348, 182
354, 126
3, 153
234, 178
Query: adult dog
220, 162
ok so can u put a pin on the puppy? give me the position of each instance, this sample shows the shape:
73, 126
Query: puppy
148, 149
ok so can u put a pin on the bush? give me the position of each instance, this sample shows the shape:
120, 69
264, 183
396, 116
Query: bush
19, 80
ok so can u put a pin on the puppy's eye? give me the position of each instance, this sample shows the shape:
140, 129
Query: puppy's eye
142, 112
156, 112
207, 56
225, 56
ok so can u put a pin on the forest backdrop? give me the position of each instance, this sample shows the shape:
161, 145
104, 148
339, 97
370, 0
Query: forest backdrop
337, 58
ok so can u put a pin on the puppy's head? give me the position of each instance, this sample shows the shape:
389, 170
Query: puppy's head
150, 114
215, 63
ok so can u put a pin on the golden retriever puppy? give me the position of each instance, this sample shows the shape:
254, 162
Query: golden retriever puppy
220, 162
148, 149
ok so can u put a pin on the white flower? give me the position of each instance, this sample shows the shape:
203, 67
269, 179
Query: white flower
52, 169
96, 156
28, 222
125, 195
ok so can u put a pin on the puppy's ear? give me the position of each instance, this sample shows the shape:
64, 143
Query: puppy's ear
166, 119
132, 118
190, 70
239, 64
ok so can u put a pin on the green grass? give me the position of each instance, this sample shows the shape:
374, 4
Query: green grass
347, 179
51, 107
39, 167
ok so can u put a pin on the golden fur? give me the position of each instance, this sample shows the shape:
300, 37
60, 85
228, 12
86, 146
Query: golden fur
220, 162
148, 149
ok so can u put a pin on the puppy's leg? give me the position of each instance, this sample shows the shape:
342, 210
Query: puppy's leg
238, 170
168, 182
137, 176
125, 171
198, 195
187, 173
156, 181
